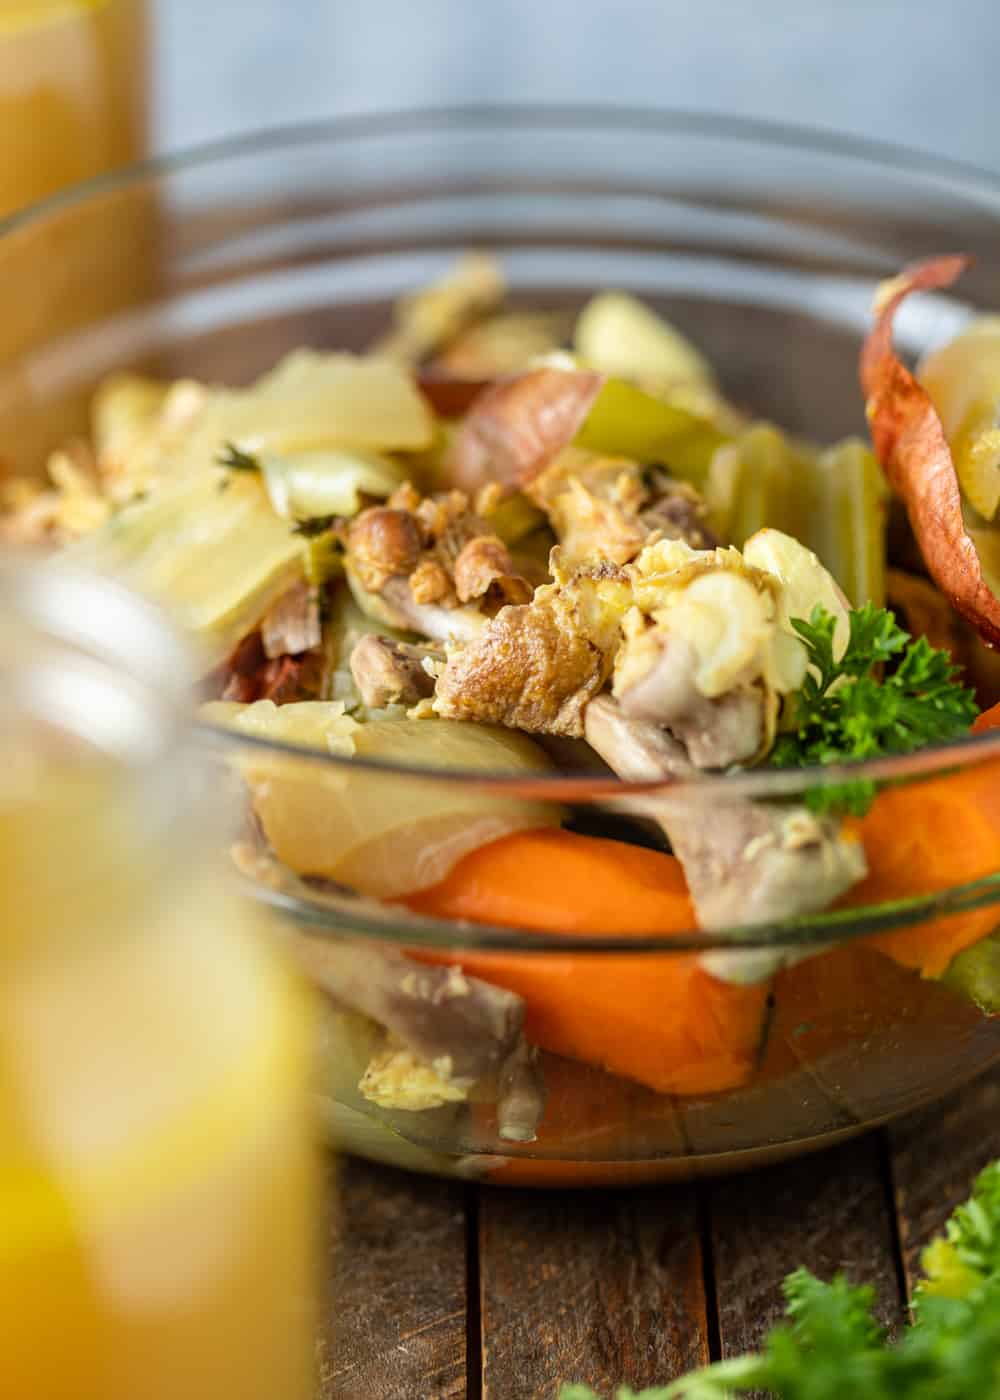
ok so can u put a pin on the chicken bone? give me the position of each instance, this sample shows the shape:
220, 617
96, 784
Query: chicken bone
438, 1014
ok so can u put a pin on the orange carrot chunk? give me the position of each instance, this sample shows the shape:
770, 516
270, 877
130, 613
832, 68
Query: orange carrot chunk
928, 837
657, 1018
989, 719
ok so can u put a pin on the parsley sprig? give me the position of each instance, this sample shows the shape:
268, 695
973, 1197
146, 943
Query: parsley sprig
830, 1345
236, 459
845, 710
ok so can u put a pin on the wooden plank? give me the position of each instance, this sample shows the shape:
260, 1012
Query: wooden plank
935, 1154
395, 1322
828, 1212
597, 1287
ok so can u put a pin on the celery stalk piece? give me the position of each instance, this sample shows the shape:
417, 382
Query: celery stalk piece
308, 401
618, 334
210, 549
514, 518
975, 973
627, 422
324, 558
833, 502
759, 480
987, 542
846, 526
327, 481
963, 381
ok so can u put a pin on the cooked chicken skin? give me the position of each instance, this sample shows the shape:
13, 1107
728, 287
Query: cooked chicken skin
535, 666
429, 553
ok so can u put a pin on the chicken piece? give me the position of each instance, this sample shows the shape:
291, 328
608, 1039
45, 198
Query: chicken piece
697, 640
521, 1096
707, 653
745, 862
484, 563
72, 504
676, 511
383, 543
239, 676
288, 679
464, 1027
434, 553
395, 606
249, 675
716, 733
387, 672
535, 666
292, 625
610, 507
729, 613
395, 1078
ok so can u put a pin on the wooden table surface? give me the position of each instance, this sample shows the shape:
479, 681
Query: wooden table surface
447, 1290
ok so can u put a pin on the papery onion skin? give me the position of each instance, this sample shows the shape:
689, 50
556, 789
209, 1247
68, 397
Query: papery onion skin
910, 443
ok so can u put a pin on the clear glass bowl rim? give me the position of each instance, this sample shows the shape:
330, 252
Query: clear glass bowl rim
964, 180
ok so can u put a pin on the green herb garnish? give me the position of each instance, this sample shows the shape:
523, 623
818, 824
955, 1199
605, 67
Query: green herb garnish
315, 525
846, 711
237, 460
831, 1347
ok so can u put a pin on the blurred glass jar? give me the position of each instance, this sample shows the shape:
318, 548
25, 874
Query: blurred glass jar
157, 1181
74, 88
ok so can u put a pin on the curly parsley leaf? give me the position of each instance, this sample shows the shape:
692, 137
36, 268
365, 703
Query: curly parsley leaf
846, 711
830, 1346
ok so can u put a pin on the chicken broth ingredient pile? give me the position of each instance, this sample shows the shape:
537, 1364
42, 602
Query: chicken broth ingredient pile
506, 522
830, 1345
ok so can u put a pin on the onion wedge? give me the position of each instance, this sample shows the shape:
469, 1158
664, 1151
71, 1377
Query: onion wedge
518, 425
911, 445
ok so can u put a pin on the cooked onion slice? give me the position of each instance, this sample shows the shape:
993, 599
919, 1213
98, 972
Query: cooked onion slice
518, 425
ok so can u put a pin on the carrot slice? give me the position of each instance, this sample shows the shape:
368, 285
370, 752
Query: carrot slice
926, 838
989, 719
659, 1019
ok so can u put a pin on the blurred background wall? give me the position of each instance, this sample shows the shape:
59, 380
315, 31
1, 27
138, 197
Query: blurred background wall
912, 71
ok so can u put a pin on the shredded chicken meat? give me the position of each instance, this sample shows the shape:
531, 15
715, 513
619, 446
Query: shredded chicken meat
609, 507
388, 672
292, 626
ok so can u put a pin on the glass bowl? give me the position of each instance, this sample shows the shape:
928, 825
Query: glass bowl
603, 1044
